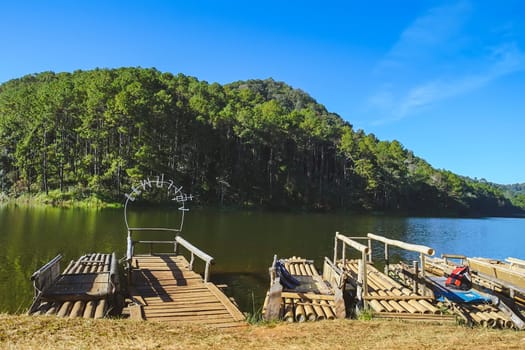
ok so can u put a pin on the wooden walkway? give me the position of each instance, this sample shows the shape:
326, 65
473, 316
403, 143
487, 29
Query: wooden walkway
167, 290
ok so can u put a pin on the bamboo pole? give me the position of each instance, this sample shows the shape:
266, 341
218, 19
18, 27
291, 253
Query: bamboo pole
309, 312
302, 269
77, 309
100, 310
288, 314
327, 310
300, 314
318, 311
89, 309
53, 309
408, 246
64, 309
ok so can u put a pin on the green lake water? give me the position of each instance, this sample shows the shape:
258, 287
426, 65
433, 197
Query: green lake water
242, 242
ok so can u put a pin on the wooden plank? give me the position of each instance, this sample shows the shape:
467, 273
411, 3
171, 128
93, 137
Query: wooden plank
232, 309
174, 293
188, 313
397, 297
186, 306
210, 319
308, 296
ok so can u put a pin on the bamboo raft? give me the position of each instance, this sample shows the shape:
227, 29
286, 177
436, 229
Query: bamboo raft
390, 299
311, 300
504, 278
502, 312
85, 288
165, 288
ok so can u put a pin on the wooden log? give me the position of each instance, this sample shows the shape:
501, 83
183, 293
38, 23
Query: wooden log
69, 267
302, 269
291, 268
300, 314
308, 269
53, 309
64, 309
288, 314
420, 308
408, 246
89, 310
356, 245
100, 310
376, 306
307, 296
407, 306
320, 315
327, 309
429, 306
309, 312
77, 309
314, 270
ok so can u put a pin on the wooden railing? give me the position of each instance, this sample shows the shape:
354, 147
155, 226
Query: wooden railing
178, 241
362, 285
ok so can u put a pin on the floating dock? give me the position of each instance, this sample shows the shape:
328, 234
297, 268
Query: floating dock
84, 289
349, 286
501, 279
160, 287
308, 298
164, 288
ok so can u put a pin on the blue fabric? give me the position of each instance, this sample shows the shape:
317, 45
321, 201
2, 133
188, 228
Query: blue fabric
286, 279
458, 296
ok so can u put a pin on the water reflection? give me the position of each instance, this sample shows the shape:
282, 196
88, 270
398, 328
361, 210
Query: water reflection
242, 243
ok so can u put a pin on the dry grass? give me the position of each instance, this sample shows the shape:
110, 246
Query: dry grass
25, 332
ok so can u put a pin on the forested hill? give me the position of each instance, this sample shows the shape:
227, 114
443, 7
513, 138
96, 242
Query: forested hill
252, 143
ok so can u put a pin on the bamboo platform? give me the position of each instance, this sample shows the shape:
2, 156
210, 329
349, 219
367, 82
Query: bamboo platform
84, 289
311, 300
390, 299
498, 315
165, 289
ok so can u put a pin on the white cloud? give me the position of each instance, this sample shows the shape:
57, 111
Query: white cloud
428, 36
421, 52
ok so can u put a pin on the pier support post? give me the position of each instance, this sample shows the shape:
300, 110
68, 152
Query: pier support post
415, 285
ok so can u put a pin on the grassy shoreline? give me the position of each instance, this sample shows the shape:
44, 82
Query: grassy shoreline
44, 332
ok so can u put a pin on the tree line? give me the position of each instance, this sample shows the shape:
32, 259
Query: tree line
256, 143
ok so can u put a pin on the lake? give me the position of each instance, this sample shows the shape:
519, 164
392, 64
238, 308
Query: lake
242, 242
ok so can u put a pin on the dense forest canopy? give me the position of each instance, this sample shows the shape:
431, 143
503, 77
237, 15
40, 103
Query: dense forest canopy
248, 143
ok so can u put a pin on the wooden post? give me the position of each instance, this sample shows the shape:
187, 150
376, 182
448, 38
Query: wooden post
273, 308
365, 277
343, 254
415, 286
386, 259
176, 247
335, 248
192, 259
369, 250
359, 289
129, 257
340, 308
207, 272
422, 258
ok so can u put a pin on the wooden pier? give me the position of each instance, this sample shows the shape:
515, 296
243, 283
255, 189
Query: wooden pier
164, 288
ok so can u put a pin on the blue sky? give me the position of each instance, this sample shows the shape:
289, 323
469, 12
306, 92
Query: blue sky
446, 79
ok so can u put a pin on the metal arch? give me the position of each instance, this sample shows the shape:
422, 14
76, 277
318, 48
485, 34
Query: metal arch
179, 196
